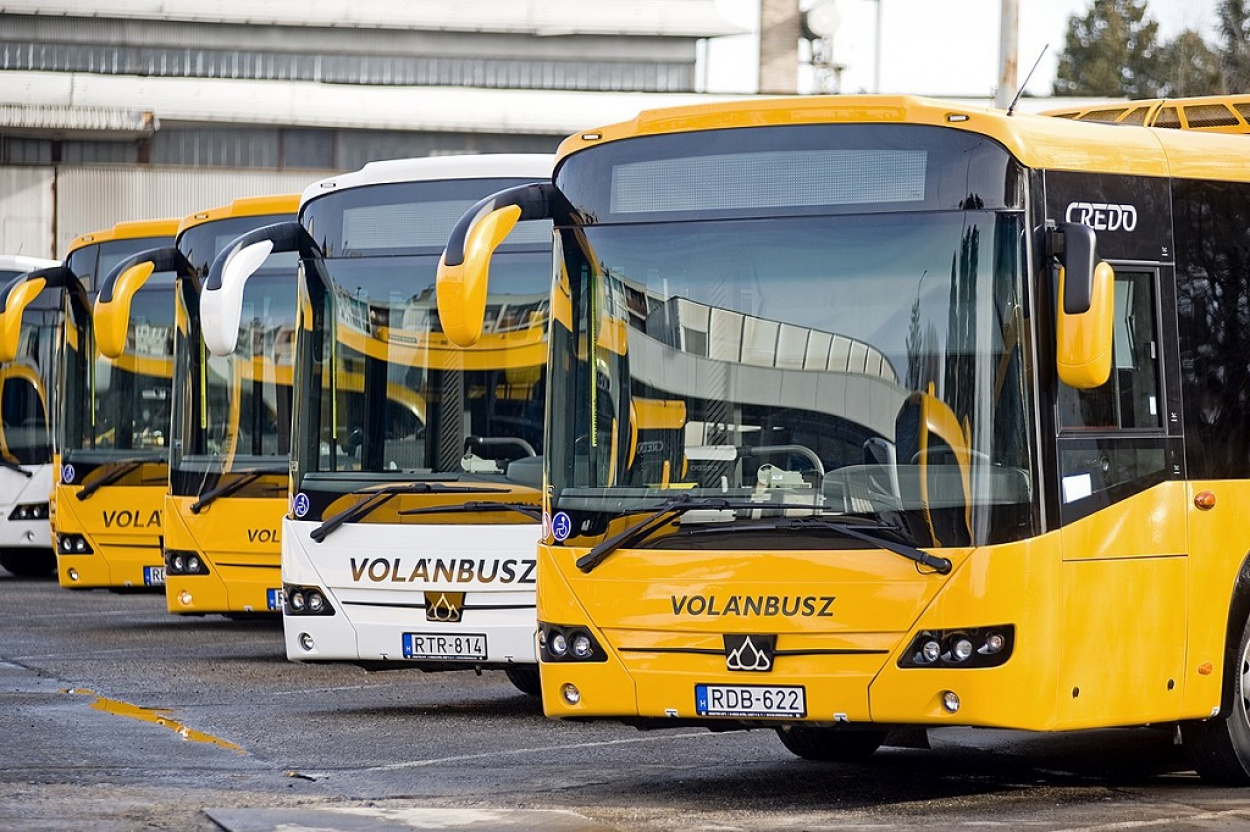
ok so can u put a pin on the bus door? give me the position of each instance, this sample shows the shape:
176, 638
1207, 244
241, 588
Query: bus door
1123, 511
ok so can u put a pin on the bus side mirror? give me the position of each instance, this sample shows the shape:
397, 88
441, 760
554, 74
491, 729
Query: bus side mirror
14, 298
1085, 322
111, 315
221, 298
464, 268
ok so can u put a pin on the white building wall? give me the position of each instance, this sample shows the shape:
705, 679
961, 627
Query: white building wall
94, 198
27, 211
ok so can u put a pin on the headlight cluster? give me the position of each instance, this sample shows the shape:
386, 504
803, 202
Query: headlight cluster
970, 647
29, 511
561, 643
179, 562
305, 600
72, 544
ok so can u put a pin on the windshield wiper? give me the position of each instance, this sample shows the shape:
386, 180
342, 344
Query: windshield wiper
248, 476
669, 509
13, 466
528, 509
122, 469
383, 495
874, 533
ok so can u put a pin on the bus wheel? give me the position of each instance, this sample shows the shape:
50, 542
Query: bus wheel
1219, 748
830, 745
525, 678
29, 563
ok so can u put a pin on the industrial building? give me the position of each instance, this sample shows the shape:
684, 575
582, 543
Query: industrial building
124, 109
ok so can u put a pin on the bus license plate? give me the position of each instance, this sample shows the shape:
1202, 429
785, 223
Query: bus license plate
453, 647
153, 576
750, 700
274, 597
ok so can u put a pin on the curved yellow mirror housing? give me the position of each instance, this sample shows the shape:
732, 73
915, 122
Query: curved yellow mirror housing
1083, 341
11, 316
461, 289
112, 317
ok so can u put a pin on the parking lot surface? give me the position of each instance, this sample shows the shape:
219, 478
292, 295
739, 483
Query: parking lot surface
115, 715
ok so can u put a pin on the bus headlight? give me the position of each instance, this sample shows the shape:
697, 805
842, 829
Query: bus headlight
180, 562
73, 544
964, 647
305, 600
565, 643
29, 511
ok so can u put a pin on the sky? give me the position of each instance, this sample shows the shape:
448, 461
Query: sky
934, 47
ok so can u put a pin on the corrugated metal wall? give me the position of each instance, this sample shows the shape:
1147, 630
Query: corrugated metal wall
26, 211
92, 198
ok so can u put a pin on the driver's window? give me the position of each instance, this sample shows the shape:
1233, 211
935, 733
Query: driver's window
1111, 441
1130, 398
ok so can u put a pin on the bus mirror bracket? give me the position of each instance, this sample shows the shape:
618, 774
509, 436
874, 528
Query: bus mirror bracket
1086, 311
464, 268
111, 315
20, 293
221, 298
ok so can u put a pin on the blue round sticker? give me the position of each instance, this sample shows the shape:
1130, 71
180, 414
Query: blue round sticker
561, 526
301, 504
67, 474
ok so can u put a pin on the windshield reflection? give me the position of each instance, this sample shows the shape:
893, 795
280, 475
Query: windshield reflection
853, 365
389, 394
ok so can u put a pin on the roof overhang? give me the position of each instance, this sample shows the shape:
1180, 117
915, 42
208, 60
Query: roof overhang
55, 121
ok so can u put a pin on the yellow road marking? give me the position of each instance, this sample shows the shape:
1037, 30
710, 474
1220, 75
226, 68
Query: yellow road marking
156, 716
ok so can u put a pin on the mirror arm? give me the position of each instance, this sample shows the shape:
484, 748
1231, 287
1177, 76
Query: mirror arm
1078, 252
537, 201
286, 237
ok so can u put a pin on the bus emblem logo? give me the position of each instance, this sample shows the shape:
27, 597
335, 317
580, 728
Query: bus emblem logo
1102, 216
447, 607
751, 653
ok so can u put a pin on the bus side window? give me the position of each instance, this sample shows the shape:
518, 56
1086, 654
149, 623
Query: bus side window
1130, 398
1111, 441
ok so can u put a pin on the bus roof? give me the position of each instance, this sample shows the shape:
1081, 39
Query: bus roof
1038, 141
126, 231
431, 168
251, 206
22, 263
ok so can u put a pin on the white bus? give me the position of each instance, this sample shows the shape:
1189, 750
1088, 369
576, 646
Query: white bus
415, 465
27, 385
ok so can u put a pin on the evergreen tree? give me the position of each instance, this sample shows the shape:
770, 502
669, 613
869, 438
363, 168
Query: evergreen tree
1111, 51
1190, 67
1234, 17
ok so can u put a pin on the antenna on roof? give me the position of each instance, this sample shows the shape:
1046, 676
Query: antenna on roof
1020, 91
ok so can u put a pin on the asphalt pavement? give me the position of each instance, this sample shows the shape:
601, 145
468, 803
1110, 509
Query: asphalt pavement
115, 715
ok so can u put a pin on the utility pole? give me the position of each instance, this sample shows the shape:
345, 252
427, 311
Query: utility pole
1008, 53
780, 30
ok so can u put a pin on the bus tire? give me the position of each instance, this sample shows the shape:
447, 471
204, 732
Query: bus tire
29, 563
524, 678
1219, 748
830, 745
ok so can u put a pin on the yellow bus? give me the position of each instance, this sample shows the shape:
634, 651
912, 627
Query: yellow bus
231, 415
410, 539
27, 385
112, 422
963, 431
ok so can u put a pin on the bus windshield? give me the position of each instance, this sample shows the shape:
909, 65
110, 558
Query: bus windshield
119, 408
862, 363
28, 386
233, 413
382, 392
